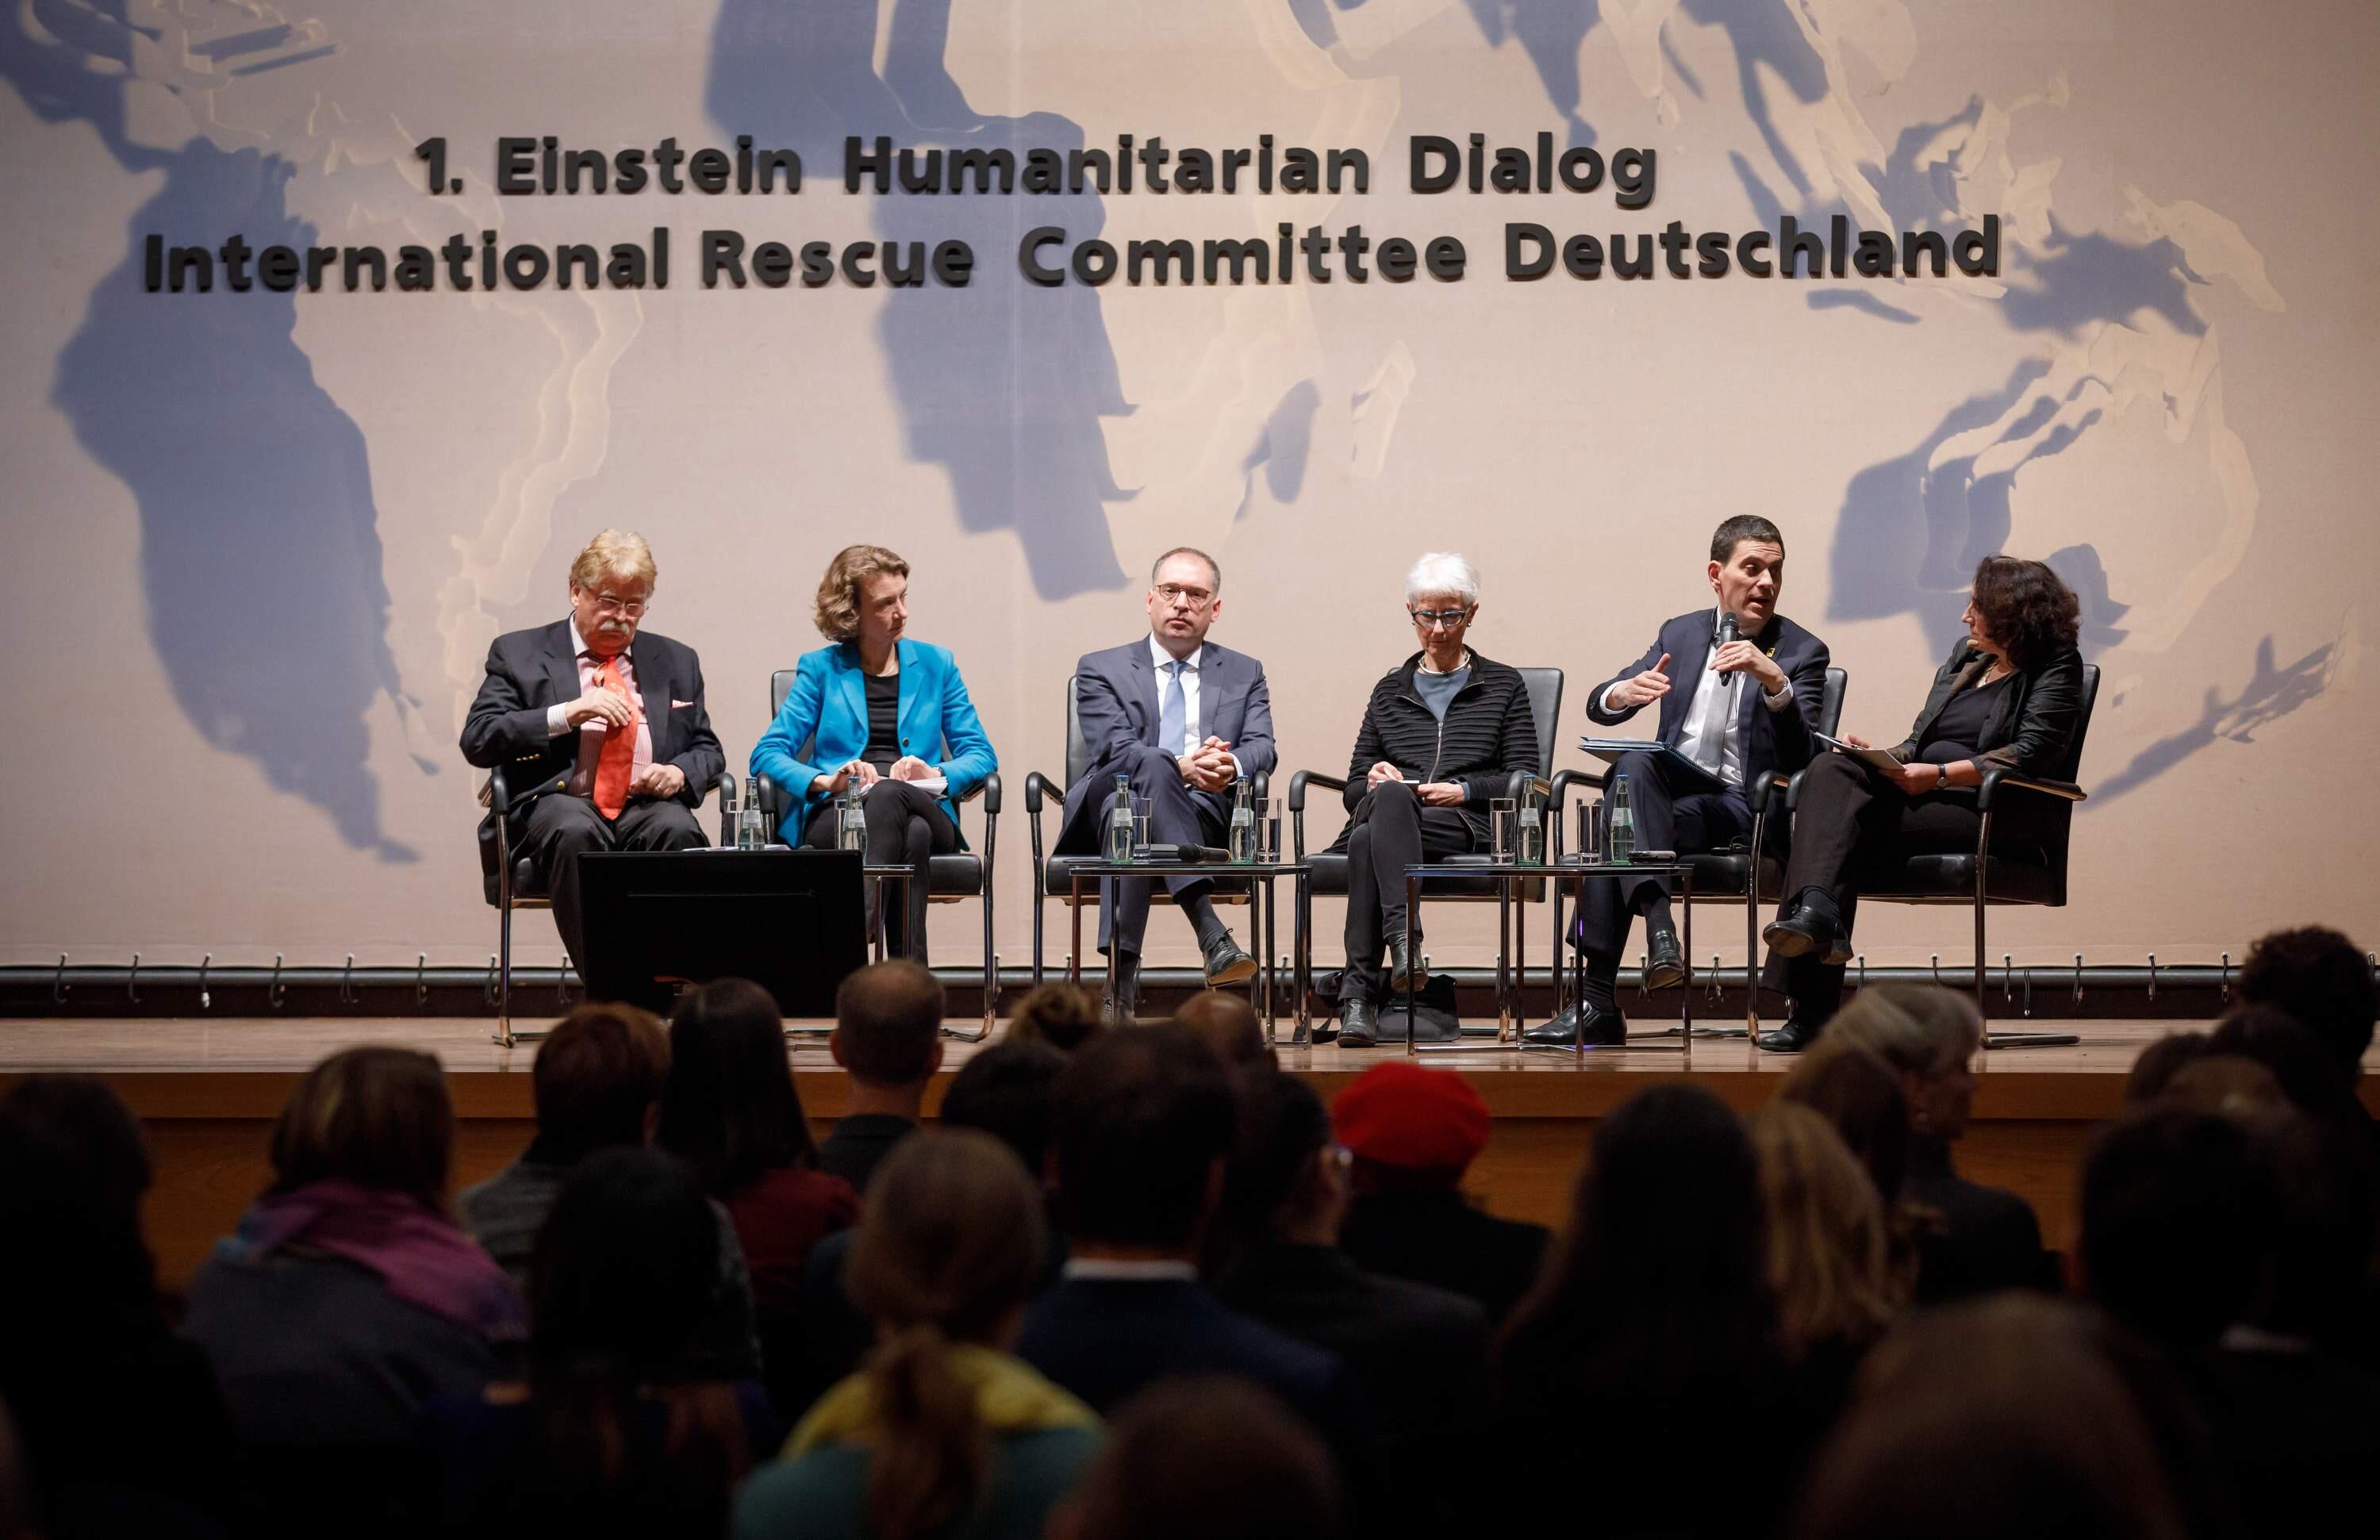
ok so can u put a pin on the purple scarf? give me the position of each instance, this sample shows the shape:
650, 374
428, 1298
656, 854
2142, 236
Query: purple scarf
423, 1255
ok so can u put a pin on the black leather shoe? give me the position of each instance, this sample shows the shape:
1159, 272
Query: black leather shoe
1793, 1038
1402, 964
1665, 966
1802, 932
1359, 1025
1604, 1028
1226, 964
1120, 1001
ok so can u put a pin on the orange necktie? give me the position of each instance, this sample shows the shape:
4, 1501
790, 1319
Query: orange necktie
616, 760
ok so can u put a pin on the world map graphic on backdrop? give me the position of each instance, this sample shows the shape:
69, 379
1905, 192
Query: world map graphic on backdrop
262, 557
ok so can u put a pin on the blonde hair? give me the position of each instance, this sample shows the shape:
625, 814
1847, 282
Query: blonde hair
614, 554
1829, 1249
1063, 1015
837, 610
1916, 1028
950, 1246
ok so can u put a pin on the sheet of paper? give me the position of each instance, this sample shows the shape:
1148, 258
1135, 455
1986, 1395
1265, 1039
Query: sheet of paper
1875, 756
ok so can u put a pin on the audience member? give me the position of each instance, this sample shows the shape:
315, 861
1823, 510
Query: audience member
605, 1438
1859, 1095
1003, 1091
944, 1432
2306, 1069
597, 1085
2227, 1084
1139, 1133
1985, 1238
2323, 979
1411, 1134
729, 1109
1060, 1015
1200, 1458
348, 1297
2158, 1063
1654, 1316
120, 1424
1229, 1023
1419, 1355
1993, 1418
2178, 1213
1829, 1255
887, 1037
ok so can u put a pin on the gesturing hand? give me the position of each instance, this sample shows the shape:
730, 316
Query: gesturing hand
608, 704
1741, 656
1646, 688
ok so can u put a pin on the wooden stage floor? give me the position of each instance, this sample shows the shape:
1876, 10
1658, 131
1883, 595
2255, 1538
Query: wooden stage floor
207, 1090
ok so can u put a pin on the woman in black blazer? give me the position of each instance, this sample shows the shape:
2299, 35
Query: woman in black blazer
1443, 732
2008, 698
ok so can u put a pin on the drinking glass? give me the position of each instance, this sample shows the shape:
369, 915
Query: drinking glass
1143, 809
1590, 834
1269, 816
1500, 827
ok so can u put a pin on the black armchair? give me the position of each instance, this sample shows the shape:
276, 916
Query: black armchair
2032, 874
1329, 868
510, 881
949, 879
1726, 876
1052, 873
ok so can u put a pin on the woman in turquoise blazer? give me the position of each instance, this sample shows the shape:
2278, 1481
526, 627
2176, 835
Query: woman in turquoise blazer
876, 710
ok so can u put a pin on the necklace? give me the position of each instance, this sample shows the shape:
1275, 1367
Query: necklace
2001, 668
1458, 668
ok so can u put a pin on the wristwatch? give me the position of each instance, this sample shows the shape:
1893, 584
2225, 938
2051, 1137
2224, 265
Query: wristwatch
1941, 776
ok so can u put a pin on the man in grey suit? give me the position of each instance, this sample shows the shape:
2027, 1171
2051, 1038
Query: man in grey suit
1183, 720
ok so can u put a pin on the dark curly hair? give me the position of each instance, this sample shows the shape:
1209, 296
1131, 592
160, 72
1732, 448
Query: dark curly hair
2323, 979
2027, 608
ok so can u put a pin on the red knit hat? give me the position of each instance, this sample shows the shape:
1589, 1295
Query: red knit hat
1400, 1114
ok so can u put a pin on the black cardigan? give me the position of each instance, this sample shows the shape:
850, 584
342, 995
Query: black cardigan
1490, 732
2031, 730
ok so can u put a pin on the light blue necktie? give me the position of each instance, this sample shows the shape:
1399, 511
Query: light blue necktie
1174, 713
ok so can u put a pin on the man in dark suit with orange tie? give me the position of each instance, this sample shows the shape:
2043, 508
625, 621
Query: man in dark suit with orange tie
600, 729
1740, 688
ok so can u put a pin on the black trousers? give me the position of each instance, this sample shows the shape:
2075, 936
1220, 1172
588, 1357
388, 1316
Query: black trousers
1851, 827
905, 828
1667, 817
1390, 831
559, 826
1178, 815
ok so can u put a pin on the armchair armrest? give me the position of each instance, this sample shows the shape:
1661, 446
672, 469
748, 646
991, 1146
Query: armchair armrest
1036, 787
1762, 791
1793, 786
495, 794
1523, 783
1996, 778
767, 791
1297, 784
988, 789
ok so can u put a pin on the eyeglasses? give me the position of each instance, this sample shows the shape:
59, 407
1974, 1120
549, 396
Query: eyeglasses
1174, 593
612, 604
1431, 620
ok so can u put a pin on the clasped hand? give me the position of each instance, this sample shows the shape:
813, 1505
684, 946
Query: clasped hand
860, 773
1209, 768
1433, 794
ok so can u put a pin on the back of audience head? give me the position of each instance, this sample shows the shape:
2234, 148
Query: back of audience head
1859, 1096
1660, 1278
73, 1167
888, 1024
1229, 1023
1197, 1457
2158, 1063
1926, 1034
1829, 1251
1139, 1130
378, 1118
951, 1247
1062, 1015
2177, 1223
729, 1108
1005, 1091
598, 1081
1999, 1417
1284, 1183
2320, 977
2308, 1075
622, 1274
1408, 1129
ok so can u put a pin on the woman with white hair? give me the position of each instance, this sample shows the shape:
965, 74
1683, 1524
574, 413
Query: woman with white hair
1445, 730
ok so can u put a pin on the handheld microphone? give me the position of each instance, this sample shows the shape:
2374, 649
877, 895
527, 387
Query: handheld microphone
1728, 631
